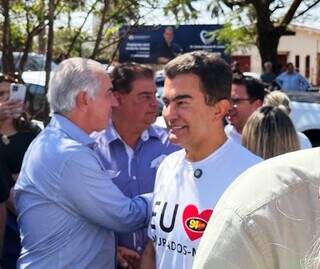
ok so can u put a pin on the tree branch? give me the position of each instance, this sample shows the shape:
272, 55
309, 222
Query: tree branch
307, 9
290, 13
77, 34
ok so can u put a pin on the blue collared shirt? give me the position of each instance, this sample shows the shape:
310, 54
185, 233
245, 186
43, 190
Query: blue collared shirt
292, 82
136, 168
68, 207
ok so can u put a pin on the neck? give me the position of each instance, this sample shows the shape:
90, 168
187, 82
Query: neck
7, 128
78, 119
128, 133
203, 150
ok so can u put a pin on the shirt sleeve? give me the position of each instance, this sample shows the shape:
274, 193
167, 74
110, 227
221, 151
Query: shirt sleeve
304, 84
227, 244
89, 190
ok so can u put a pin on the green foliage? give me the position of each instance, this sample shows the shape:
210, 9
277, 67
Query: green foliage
63, 38
183, 10
236, 37
18, 36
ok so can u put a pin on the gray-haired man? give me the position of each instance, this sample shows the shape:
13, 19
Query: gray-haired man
68, 206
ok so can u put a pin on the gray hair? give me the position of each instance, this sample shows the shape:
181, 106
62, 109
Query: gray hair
73, 76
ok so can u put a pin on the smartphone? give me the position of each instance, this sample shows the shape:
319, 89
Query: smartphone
17, 92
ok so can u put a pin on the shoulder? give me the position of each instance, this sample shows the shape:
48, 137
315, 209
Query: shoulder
282, 75
272, 179
57, 145
242, 154
304, 141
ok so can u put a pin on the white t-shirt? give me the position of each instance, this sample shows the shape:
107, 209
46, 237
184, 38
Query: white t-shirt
184, 196
232, 133
304, 141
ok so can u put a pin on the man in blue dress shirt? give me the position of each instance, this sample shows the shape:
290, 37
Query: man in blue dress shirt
291, 81
68, 207
133, 146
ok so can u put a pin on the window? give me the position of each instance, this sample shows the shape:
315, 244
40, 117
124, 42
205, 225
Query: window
307, 71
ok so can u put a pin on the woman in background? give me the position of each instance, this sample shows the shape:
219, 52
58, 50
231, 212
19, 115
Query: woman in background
16, 133
270, 132
277, 98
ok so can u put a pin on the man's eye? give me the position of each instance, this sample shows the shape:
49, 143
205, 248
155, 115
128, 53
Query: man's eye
180, 103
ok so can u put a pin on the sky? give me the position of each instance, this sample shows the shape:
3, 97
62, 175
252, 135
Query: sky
156, 16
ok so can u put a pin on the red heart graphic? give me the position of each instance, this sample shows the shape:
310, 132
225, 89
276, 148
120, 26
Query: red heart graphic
194, 223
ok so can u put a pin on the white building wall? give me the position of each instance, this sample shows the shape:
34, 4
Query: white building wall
305, 42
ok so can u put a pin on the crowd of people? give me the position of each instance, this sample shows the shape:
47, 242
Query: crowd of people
102, 186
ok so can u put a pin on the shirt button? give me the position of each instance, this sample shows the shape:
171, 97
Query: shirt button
139, 248
134, 177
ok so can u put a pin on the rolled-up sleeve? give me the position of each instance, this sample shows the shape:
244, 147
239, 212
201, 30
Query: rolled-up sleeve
90, 192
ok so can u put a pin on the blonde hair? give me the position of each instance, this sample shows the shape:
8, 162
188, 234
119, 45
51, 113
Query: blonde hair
270, 132
278, 99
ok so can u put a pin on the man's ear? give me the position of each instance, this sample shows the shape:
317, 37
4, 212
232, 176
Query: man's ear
257, 103
118, 97
82, 100
220, 109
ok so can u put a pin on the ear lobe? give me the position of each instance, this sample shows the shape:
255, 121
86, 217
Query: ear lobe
221, 109
258, 103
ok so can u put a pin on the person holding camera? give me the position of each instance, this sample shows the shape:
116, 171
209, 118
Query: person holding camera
16, 133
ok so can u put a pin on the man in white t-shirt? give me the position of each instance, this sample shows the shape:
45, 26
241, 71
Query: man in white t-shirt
247, 96
190, 181
268, 218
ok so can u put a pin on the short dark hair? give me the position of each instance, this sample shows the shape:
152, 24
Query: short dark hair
255, 89
214, 73
124, 74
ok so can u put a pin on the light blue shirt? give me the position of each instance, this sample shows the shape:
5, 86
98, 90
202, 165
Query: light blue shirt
136, 168
68, 207
292, 82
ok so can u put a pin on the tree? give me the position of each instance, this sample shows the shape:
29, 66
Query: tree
266, 20
7, 57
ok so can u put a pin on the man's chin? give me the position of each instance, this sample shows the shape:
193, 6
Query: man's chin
175, 140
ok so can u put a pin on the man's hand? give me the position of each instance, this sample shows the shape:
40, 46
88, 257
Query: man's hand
128, 258
148, 260
10, 109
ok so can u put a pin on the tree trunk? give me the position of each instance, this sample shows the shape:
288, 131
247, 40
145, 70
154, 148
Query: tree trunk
267, 35
41, 36
7, 55
27, 49
42, 42
49, 56
267, 43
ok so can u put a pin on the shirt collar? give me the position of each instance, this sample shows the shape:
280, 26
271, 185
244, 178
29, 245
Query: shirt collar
111, 134
72, 130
